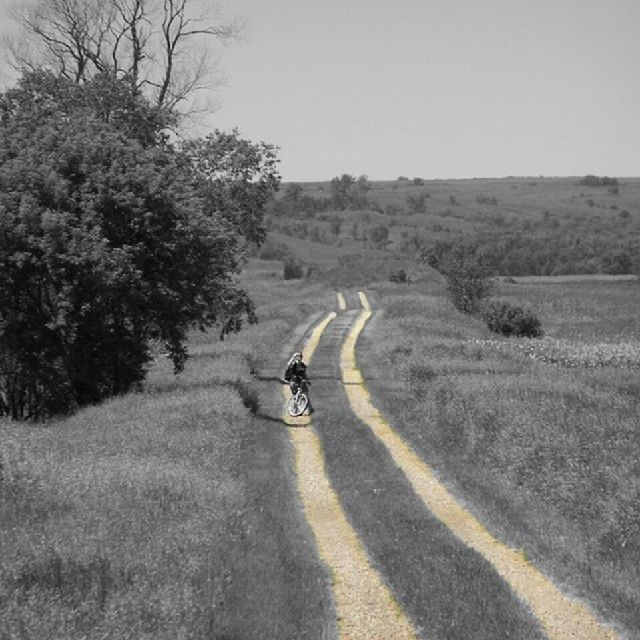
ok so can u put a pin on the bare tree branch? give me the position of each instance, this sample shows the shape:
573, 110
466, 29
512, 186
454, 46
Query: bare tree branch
160, 46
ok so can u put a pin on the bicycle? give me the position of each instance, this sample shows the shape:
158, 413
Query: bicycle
299, 401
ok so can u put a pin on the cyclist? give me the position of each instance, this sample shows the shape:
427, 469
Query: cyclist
295, 376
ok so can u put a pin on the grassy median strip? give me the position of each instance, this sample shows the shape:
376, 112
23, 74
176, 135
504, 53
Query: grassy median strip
561, 617
365, 607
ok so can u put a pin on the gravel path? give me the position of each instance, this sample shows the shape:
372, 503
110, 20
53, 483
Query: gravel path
407, 559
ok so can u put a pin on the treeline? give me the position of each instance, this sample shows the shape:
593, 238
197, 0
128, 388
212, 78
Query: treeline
520, 254
345, 192
597, 181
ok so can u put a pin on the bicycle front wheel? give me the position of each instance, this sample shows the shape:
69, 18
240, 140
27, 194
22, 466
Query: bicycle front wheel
297, 404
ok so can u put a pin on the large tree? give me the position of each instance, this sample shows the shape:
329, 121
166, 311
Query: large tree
112, 238
162, 47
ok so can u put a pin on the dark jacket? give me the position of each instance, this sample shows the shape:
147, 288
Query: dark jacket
296, 372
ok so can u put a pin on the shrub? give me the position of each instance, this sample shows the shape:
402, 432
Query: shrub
417, 203
292, 269
379, 235
509, 320
595, 181
468, 282
399, 277
482, 199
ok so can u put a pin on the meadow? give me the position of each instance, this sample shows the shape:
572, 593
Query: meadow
172, 512
168, 513
545, 450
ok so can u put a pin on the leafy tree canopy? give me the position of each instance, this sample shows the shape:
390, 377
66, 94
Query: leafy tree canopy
349, 193
112, 238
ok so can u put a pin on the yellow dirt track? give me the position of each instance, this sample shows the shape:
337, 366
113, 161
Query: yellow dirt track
561, 617
364, 605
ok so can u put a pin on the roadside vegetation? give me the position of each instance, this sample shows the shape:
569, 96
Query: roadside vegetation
170, 512
538, 436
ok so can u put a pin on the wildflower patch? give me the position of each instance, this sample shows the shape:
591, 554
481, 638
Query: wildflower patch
568, 353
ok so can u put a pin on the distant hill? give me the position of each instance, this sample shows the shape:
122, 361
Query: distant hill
517, 226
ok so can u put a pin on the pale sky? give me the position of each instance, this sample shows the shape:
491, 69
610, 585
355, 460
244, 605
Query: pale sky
437, 88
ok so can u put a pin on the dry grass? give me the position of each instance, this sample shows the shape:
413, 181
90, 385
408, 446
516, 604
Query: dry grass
110, 519
138, 518
547, 454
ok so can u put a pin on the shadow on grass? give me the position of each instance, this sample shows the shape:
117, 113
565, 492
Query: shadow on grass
268, 418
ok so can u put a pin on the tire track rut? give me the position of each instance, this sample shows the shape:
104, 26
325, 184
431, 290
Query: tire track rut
562, 617
446, 589
365, 608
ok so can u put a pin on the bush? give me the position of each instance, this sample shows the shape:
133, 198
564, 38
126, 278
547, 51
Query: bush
399, 277
596, 181
468, 282
379, 235
292, 269
417, 203
509, 320
482, 199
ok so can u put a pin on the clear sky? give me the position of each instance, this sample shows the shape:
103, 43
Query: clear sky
437, 88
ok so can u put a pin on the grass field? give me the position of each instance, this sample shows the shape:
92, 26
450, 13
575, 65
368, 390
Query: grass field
172, 512
546, 453
169, 513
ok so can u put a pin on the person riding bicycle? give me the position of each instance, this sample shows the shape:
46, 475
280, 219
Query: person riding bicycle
295, 376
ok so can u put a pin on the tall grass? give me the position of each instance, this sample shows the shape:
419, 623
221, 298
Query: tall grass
547, 454
135, 518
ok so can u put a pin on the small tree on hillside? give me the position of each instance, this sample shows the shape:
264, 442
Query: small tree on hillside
417, 203
349, 193
379, 235
468, 282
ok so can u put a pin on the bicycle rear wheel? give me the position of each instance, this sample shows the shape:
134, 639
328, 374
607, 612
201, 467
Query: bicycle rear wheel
297, 404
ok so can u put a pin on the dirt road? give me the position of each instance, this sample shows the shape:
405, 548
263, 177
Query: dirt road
406, 558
